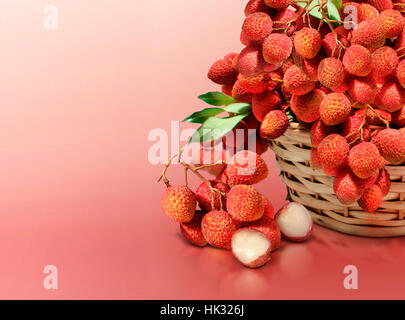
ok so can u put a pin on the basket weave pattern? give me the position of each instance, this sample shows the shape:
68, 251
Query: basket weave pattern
314, 189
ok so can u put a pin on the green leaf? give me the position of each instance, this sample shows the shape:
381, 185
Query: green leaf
338, 4
315, 10
203, 115
238, 108
217, 99
215, 128
333, 12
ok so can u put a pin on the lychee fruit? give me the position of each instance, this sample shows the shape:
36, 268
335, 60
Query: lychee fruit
192, 230
306, 107
279, 4
274, 125
399, 117
240, 94
315, 162
254, 6
250, 61
295, 222
222, 72
331, 73
363, 160
351, 130
392, 23
265, 102
357, 60
400, 73
384, 61
179, 203
368, 34
245, 203
348, 187
366, 12
246, 167
399, 44
257, 26
297, 81
320, 131
307, 42
391, 96
204, 196
218, 228
335, 109
281, 18
333, 151
381, 5
391, 144
384, 182
268, 208
363, 89
375, 117
270, 228
256, 84
331, 47
277, 47
371, 199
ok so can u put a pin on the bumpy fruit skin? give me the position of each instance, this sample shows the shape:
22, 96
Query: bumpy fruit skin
245, 203
269, 227
351, 130
331, 47
265, 102
368, 34
367, 12
371, 199
297, 81
391, 96
357, 61
363, 89
399, 44
254, 6
278, 4
274, 125
268, 208
400, 73
204, 196
281, 19
222, 72
192, 230
250, 62
392, 23
256, 84
391, 144
381, 5
333, 151
307, 42
179, 203
384, 61
348, 187
277, 47
310, 67
240, 94
320, 131
218, 228
384, 182
363, 160
399, 117
246, 167
373, 119
315, 162
335, 109
257, 26
331, 73
306, 107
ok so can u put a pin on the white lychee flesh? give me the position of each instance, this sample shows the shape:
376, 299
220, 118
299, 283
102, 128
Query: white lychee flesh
295, 222
251, 247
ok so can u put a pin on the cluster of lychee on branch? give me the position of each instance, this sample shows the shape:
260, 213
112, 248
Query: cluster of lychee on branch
337, 68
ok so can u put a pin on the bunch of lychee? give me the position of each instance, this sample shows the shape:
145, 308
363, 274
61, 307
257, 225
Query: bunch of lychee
345, 80
233, 215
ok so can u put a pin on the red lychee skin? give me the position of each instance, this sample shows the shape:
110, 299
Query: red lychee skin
297, 82
368, 34
357, 60
351, 130
315, 162
269, 227
204, 196
277, 47
399, 44
384, 61
286, 65
367, 12
320, 131
257, 26
256, 84
384, 182
222, 72
251, 122
218, 228
335, 109
279, 4
371, 199
250, 62
331, 47
254, 6
227, 89
392, 23
391, 144
192, 230
179, 203
245, 203
307, 42
391, 96
367, 183
263, 103
372, 118
363, 160
381, 5
399, 117
400, 73
331, 73
363, 89
333, 151
334, 171
274, 125
310, 67
348, 187
268, 208
211, 156
306, 107
246, 167
282, 18
240, 94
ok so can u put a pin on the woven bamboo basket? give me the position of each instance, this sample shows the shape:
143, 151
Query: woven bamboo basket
314, 189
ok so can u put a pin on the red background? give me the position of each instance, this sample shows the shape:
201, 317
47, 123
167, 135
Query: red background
77, 190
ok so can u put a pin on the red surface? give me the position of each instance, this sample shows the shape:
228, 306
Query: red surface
77, 190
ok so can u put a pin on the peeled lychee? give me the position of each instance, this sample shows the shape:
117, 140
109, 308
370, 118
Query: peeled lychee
179, 203
245, 203
295, 222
